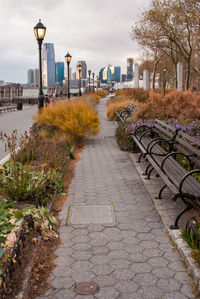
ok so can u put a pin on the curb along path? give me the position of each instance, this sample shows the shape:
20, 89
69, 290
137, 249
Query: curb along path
121, 242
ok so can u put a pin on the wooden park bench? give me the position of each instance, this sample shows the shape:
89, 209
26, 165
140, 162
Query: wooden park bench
146, 135
183, 183
123, 113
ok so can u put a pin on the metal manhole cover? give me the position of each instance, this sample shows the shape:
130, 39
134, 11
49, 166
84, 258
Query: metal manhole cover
91, 214
86, 288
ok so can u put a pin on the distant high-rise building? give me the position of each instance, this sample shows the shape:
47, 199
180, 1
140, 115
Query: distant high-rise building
59, 73
117, 73
48, 64
123, 77
30, 78
84, 70
35, 78
129, 76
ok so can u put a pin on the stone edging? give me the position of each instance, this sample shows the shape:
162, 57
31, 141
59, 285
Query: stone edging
183, 248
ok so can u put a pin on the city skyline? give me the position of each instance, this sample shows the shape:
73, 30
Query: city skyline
97, 32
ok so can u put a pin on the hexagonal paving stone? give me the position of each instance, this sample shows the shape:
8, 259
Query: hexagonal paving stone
64, 261
168, 285
62, 282
131, 241
117, 254
141, 268
99, 250
139, 257
149, 244
113, 234
149, 293
107, 293
106, 280
81, 239
115, 245
174, 295
82, 266
99, 260
145, 279
123, 274
127, 286
177, 266
145, 237
102, 269
82, 276
95, 228
81, 246
187, 290
80, 232
155, 252
157, 261
183, 277
98, 242
120, 263
163, 272
81, 255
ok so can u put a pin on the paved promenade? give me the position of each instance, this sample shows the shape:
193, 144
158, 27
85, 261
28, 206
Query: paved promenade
16, 120
130, 255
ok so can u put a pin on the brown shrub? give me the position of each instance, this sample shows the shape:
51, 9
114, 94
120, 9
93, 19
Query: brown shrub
179, 105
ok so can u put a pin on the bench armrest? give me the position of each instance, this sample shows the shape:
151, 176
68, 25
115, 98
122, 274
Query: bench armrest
158, 140
190, 173
148, 129
174, 154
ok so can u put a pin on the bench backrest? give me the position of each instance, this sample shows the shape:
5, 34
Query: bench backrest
165, 130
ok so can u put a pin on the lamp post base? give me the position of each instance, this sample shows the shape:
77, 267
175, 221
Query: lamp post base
40, 101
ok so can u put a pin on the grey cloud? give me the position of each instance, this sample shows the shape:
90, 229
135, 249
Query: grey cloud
93, 30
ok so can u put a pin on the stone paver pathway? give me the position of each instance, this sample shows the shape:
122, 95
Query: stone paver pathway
131, 258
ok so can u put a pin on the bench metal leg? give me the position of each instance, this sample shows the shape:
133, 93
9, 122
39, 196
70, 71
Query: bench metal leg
146, 171
160, 192
149, 174
140, 157
175, 226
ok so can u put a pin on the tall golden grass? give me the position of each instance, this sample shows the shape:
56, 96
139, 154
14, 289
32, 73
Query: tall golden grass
179, 105
113, 106
76, 118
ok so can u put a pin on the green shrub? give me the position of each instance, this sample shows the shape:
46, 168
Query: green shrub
124, 139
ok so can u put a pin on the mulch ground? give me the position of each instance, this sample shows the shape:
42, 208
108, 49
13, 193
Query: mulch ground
36, 259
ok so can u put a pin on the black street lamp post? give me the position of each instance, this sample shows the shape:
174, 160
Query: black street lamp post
97, 82
89, 73
164, 81
79, 66
68, 59
93, 79
40, 31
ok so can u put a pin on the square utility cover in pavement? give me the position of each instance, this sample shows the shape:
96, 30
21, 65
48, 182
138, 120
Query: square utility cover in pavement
92, 214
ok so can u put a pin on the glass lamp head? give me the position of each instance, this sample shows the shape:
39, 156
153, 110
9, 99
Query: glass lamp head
39, 31
68, 57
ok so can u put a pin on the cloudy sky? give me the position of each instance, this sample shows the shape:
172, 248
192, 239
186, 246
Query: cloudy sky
97, 31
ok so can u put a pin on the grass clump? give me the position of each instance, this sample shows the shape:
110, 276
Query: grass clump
76, 119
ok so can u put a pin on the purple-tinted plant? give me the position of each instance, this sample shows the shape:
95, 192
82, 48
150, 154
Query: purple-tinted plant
191, 127
130, 129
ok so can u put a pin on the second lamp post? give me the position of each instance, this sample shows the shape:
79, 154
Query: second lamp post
93, 79
89, 73
68, 59
79, 67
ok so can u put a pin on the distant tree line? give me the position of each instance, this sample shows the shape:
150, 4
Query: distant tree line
169, 32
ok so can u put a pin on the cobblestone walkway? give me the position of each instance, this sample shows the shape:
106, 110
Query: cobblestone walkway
133, 257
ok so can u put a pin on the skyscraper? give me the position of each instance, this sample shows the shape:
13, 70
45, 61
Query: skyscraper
84, 70
35, 78
48, 64
30, 77
59, 73
129, 69
117, 73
